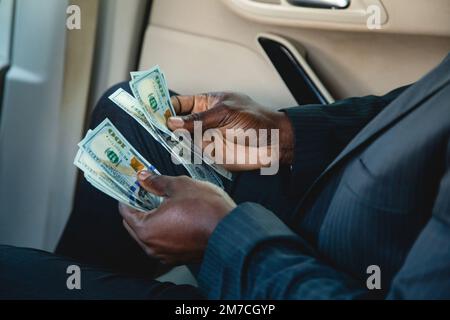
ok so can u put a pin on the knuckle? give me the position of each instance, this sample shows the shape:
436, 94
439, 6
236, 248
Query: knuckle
147, 183
142, 231
185, 178
181, 180
155, 181
146, 237
195, 117
203, 97
224, 108
169, 181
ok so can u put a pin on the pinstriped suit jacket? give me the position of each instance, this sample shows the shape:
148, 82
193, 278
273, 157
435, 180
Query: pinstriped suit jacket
373, 180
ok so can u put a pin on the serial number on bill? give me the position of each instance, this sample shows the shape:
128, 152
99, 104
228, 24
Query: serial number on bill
225, 309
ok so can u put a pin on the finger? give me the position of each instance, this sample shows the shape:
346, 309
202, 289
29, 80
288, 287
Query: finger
211, 118
131, 216
188, 104
159, 185
133, 234
234, 157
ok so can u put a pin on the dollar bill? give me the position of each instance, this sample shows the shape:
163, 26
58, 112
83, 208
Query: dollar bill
100, 180
120, 161
137, 74
130, 105
169, 141
164, 86
109, 161
150, 89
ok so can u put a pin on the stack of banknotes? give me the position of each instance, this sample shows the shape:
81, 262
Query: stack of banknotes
109, 161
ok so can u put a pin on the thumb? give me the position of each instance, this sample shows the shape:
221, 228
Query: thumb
211, 118
159, 185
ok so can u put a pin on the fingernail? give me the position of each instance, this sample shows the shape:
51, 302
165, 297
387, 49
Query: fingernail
144, 174
176, 121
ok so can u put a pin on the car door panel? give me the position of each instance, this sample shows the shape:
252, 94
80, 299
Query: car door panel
350, 59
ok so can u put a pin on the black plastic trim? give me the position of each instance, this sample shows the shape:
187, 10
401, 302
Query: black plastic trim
290, 70
3, 73
320, 4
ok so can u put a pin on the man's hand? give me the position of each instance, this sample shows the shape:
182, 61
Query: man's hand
178, 231
225, 111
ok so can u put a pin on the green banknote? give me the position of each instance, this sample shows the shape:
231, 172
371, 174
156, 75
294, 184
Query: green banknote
120, 161
111, 164
168, 140
150, 90
100, 180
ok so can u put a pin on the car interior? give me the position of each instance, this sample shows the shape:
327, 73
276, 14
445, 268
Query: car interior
280, 52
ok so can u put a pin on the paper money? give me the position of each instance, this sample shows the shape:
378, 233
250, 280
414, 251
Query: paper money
111, 164
100, 180
120, 162
150, 89
169, 141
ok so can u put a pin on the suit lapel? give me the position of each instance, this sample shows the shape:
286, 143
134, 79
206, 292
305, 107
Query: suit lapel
412, 98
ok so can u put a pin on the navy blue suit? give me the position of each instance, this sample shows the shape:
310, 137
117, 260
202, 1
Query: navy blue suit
377, 196
370, 185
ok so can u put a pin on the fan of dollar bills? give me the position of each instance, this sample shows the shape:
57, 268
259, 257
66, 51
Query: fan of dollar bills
109, 161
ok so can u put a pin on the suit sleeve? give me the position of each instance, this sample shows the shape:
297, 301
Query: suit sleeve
426, 271
253, 255
322, 131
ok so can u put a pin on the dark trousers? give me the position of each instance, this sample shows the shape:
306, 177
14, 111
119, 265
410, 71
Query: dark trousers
112, 265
